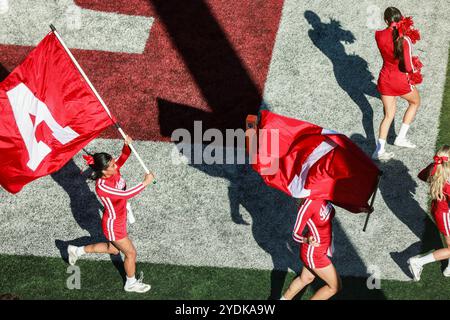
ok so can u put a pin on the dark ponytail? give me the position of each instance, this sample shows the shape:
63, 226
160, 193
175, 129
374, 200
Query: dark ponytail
101, 162
392, 14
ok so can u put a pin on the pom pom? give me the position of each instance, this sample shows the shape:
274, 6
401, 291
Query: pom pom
407, 22
405, 28
415, 78
89, 159
413, 34
417, 63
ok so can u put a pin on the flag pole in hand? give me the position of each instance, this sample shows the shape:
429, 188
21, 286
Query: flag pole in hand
372, 202
98, 97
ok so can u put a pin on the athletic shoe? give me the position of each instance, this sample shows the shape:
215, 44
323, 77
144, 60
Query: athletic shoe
415, 268
138, 285
73, 256
446, 272
405, 143
382, 156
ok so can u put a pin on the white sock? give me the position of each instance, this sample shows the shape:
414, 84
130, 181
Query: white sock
282, 298
130, 281
448, 265
380, 146
80, 251
426, 259
403, 130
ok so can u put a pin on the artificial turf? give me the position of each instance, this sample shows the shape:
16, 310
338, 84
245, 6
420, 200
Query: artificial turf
30, 277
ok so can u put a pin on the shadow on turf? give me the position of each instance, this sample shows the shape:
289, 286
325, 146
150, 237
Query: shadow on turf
398, 187
214, 65
273, 216
353, 288
3, 72
86, 210
231, 94
351, 71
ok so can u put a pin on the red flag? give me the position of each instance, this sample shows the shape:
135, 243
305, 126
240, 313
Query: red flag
314, 162
48, 114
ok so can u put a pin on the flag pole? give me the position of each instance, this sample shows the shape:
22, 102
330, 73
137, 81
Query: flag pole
372, 202
98, 96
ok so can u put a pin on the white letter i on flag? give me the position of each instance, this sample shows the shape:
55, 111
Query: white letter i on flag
24, 103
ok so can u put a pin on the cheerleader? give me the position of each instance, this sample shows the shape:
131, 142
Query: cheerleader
111, 189
398, 77
316, 248
438, 175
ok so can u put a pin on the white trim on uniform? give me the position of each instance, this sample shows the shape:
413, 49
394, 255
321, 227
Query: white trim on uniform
312, 226
105, 204
113, 219
309, 256
118, 192
410, 52
297, 238
330, 250
313, 229
446, 222
300, 215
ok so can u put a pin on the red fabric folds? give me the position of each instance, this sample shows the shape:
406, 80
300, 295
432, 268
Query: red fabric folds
312, 162
48, 113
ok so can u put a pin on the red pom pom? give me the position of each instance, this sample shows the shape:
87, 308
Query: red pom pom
413, 34
407, 22
89, 159
417, 63
405, 26
416, 77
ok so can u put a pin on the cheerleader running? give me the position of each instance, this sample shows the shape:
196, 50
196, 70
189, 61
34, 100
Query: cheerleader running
111, 189
315, 250
438, 175
398, 76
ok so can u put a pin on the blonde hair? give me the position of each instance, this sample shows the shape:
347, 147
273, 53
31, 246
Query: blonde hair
441, 176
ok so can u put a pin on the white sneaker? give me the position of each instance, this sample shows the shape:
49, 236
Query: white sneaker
415, 268
405, 143
73, 256
138, 286
446, 272
382, 156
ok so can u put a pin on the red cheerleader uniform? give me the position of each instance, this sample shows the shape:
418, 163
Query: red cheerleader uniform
392, 81
439, 208
113, 194
317, 215
441, 211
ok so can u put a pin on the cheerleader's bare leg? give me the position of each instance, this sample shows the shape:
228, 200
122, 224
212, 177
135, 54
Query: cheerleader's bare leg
102, 247
332, 280
416, 263
389, 107
126, 246
297, 285
413, 99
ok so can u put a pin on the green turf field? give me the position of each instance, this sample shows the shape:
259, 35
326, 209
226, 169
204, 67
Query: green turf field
45, 278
